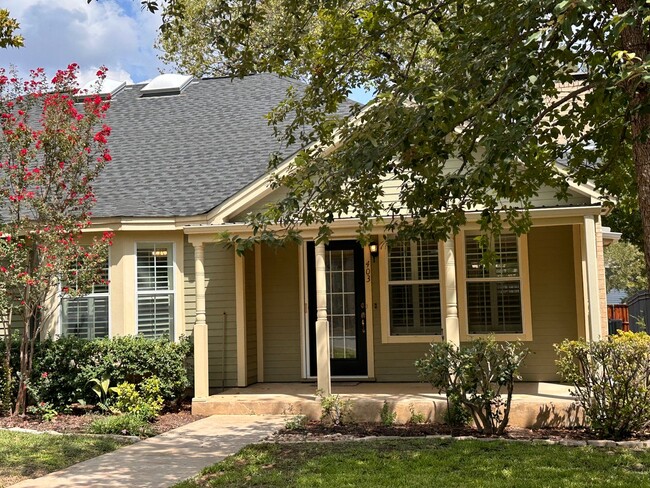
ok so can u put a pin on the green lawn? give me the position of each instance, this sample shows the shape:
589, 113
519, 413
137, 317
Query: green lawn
25, 455
427, 462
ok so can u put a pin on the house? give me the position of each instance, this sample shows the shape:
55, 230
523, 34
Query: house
189, 162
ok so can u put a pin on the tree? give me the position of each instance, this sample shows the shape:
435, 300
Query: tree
509, 88
50, 155
625, 268
8, 31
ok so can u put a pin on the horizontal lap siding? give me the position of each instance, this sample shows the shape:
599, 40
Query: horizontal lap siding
189, 284
553, 298
220, 304
251, 319
281, 316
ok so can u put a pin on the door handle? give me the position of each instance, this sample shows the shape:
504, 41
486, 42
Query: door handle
363, 318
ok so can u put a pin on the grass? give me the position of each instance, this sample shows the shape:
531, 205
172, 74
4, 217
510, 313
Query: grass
426, 462
24, 455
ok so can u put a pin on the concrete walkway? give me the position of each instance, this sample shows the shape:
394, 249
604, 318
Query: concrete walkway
166, 459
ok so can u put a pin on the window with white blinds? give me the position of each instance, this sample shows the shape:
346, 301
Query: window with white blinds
155, 289
494, 291
414, 288
87, 316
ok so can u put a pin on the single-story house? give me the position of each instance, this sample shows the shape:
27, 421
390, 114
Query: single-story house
190, 161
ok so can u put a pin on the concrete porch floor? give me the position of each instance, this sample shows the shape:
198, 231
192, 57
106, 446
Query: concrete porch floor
535, 405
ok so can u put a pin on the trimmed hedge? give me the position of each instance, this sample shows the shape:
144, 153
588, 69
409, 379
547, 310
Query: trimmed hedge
63, 367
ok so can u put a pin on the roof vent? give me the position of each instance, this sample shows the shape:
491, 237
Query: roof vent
107, 88
167, 84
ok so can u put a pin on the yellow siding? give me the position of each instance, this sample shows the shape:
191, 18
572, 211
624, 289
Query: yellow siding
221, 315
281, 317
552, 285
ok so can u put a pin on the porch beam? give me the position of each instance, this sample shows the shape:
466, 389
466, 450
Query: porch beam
324, 380
240, 317
591, 279
451, 329
201, 379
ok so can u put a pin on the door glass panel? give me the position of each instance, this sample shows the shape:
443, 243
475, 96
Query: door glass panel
341, 313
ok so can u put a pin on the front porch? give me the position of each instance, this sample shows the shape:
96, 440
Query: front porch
535, 404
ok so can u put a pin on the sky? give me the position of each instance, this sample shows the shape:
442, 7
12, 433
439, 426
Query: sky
114, 33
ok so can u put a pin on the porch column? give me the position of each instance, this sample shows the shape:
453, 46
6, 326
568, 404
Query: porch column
240, 311
590, 278
324, 380
451, 330
201, 381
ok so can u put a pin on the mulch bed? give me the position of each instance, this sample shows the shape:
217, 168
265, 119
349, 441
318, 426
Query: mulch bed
77, 424
320, 431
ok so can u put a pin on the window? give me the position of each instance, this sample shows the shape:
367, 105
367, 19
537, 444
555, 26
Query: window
155, 290
412, 301
496, 294
87, 316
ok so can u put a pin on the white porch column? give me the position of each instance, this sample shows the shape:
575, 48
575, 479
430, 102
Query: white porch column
451, 330
590, 278
201, 380
324, 380
240, 310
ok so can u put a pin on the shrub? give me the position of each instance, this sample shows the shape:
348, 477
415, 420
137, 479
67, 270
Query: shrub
611, 380
127, 424
146, 403
387, 415
71, 363
334, 410
475, 376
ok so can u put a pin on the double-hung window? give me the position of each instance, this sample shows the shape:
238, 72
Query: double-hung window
86, 317
155, 289
496, 290
412, 291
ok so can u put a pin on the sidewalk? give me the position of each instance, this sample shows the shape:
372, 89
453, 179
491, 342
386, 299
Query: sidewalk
166, 459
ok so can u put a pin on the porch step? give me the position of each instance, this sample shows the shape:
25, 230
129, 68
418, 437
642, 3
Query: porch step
529, 411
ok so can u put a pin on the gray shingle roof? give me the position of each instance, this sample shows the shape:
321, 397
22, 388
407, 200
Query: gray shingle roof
185, 154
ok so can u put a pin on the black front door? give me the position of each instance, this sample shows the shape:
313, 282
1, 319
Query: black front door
346, 308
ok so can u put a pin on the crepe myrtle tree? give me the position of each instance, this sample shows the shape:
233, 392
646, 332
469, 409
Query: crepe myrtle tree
508, 88
51, 151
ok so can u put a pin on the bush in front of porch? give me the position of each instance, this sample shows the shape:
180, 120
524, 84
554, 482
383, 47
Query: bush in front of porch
473, 377
611, 381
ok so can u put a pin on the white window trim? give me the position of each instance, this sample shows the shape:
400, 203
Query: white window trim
173, 333
59, 325
524, 280
386, 336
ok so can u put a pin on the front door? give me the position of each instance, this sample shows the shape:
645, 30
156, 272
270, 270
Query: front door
346, 308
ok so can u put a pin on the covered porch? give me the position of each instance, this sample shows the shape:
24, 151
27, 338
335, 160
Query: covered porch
535, 404
265, 317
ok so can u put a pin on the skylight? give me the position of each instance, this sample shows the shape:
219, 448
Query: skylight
107, 88
167, 84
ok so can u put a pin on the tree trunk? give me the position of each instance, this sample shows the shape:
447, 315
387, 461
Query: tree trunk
633, 40
21, 399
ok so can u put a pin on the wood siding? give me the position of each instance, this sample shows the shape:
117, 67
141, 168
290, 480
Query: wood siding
553, 298
220, 311
281, 316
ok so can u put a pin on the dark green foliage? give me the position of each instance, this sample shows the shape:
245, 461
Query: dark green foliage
64, 367
611, 381
474, 377
5, 389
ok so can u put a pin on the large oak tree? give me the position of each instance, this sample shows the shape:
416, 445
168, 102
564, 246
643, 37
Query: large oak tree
511, 88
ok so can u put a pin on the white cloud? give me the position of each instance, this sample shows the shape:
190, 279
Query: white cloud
104, 32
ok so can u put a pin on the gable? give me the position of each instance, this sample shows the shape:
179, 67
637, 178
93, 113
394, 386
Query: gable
258, 195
